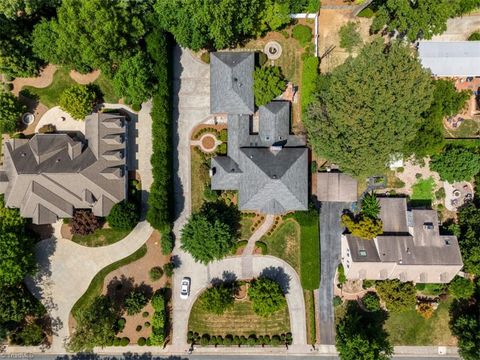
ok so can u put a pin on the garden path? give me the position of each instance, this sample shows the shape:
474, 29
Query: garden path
258, 234
84, 79
66, 268
44, 79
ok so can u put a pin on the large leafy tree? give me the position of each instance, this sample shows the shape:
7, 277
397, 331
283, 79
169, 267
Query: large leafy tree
468, 232
370, 108
363, 226
16, 302
16, 248
398, 296
90, 34
461, 288
447, 101
20, 8
133, 79
419, 19
268, 84
219, 24
206, 240
78, 100
465, 325
95, 325
10, 111
456, 164
360, 335
218, 299
124, 215
267, 296
350, 38
16, 55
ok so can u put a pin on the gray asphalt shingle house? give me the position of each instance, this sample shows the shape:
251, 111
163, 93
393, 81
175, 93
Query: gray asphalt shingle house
268, 166
410, 248
50, 175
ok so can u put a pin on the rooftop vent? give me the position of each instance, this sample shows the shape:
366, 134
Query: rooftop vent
447, 242
428, 226
362, 253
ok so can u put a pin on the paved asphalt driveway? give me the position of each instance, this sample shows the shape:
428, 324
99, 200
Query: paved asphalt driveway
330, 232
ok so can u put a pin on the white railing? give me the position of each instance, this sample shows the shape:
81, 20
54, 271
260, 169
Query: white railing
309, 16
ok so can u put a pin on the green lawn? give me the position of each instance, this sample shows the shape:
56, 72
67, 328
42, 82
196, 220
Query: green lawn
284, 243
246, 227
422, 192
95, 287
409, 328
200, 179
61, 80
468, 129
101, 237
309, 248
239, 320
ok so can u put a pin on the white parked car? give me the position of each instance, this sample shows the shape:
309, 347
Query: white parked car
185, 288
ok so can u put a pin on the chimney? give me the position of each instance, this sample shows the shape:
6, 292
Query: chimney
74, 149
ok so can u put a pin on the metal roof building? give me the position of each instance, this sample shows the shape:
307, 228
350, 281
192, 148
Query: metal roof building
451, 58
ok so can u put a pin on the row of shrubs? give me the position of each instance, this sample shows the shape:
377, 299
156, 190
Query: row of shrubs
235, 340
159, 319
274, 226
262, 246
160, 202
221, 135
309, 81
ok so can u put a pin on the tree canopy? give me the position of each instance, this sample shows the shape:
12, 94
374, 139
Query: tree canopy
211, 233
133, 79
88, 35
370, 108
10, 111
362, 226
267, 296
124, 215
360, 335
447, 101
461, 288
468, 233
456, 164
465, 325
20, 8
16, 247
95, 325
420, 19
398, 296
198, 24
217, 299
268, 84
78, 100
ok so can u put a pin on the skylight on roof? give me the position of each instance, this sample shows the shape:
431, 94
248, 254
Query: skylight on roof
362, 253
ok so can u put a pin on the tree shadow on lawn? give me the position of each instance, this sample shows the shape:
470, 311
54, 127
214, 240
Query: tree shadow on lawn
277, 274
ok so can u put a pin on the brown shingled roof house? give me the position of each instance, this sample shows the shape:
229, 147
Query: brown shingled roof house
410, 248
50, 175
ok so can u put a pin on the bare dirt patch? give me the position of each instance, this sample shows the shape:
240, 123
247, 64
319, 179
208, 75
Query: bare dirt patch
84, 79
44, 79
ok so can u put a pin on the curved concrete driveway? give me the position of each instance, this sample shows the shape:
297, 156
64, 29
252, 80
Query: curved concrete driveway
66, 268
245, 267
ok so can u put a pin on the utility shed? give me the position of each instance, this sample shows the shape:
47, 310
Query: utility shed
336, 187
450, 58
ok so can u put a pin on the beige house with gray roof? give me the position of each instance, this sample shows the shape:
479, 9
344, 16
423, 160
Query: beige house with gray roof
48, 176
410, 248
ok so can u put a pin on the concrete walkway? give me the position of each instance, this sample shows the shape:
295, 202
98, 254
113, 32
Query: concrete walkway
257, 235
330, 232
245, 267
62, 121
66, 268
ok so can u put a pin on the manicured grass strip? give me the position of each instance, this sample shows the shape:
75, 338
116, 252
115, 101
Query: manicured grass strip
309, 81
309, 248
310, 313
284, 243
95, 287
101, 237
239, 320
423, 189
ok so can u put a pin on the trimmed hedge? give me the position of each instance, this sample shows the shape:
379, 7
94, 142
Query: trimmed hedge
159, 319
229, 340
309, 81
309, 248
262, 246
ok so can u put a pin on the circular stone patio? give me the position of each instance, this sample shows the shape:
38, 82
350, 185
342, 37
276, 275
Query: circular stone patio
273, 50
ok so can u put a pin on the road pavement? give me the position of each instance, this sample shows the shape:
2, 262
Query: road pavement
330, 232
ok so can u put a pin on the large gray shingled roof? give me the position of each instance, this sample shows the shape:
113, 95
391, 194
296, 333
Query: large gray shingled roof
50, 175
231, 82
